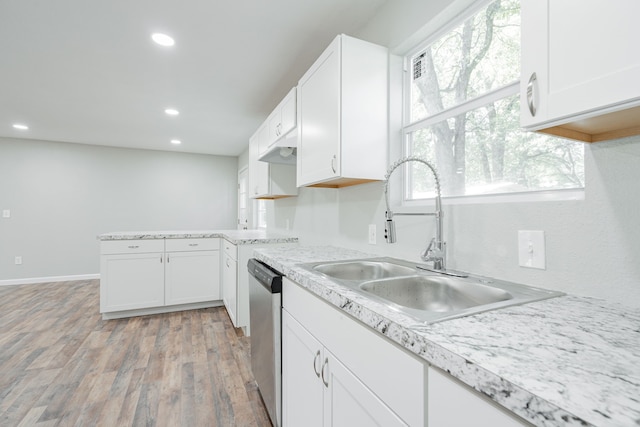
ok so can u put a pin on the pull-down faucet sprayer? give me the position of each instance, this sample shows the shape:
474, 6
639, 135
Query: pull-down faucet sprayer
436, 250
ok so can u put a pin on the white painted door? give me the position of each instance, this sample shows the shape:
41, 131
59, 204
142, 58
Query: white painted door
319, 118
229, 287
348, 402
302, 388
258, 171
243, 199
451, 404
583, 55
192, 277
131, 281
288, 112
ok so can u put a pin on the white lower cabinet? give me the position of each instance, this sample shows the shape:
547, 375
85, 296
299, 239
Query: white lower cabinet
235, 280
192, 277
230, 281
318, 390
337, 372
131, 281
452, 404
148, 276
302, 389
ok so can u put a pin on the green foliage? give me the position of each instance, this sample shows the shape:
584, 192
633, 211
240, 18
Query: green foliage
482, 150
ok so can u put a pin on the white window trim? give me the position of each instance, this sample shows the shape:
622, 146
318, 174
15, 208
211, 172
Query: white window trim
471, 104
453, 15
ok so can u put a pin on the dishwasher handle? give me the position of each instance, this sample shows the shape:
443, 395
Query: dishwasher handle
269, 278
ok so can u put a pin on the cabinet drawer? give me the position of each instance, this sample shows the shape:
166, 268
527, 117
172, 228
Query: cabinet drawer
131, 246
186, 245
230, 250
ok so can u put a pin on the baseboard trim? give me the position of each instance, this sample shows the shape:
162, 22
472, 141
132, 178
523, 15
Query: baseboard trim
37, 280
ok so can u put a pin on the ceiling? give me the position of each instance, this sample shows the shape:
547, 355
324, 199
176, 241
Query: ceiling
87, 71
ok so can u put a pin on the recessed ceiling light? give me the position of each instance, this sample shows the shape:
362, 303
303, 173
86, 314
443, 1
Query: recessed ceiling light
172, 111
176, 141
162, 39
20, 126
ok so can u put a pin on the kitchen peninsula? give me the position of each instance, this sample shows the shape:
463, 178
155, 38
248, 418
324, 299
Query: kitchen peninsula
147, 272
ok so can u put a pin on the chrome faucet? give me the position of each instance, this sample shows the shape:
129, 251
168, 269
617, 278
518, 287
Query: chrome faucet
436, 250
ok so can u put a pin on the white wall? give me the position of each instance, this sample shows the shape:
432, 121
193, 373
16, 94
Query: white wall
61, 196
592, 246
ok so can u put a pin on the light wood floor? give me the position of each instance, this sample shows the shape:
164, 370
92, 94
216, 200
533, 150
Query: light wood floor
62, 365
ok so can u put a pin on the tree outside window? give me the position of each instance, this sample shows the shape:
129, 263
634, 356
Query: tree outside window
464, 115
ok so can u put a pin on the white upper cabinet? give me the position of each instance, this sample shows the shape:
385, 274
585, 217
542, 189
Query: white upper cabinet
580, 68
268, 180
342, 116
283, 118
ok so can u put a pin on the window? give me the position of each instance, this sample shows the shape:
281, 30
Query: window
260, 213
463, 115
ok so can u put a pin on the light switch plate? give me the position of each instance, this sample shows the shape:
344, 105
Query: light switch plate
531, 249
372, 234
6, 213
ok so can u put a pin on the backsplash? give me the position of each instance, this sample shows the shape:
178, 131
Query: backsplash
592, 245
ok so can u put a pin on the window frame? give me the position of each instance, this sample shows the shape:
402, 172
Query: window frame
455, 15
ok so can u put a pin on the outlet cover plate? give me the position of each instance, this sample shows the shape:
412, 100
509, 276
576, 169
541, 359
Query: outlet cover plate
531, 249
372, 234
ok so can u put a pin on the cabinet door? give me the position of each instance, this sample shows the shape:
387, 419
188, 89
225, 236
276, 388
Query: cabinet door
288, 112
451, 404
302, 387
581, 54
319, 119
229, 287
274, 124
192, 277
131, 281
258, 171
348, 402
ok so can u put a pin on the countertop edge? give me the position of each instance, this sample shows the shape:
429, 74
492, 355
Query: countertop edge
237, 237
513, 398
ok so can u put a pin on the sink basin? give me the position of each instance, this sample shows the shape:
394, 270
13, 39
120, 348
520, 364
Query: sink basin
363, 270
435, 293
426, 296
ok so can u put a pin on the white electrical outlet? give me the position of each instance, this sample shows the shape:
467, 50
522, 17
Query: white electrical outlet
531, 253
18, 260
372, 234
6, 213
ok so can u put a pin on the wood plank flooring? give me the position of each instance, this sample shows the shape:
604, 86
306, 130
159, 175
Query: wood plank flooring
62, 365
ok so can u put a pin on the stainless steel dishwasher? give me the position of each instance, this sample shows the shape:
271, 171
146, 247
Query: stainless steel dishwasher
265, 312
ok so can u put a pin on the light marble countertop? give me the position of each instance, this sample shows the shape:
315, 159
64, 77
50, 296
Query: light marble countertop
237, 237
566, 361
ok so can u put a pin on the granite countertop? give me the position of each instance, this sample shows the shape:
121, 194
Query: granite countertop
566, 361
237, 237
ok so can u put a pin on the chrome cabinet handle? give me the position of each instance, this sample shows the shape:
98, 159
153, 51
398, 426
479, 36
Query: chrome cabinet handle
333, 163
316, 359
324, 365
530, 93
133, 246
193, 244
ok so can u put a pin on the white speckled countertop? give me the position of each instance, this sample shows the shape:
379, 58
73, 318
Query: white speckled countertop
237, 237
566, 361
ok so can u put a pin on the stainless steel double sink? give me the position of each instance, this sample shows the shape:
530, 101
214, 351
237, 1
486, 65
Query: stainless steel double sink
427, 296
